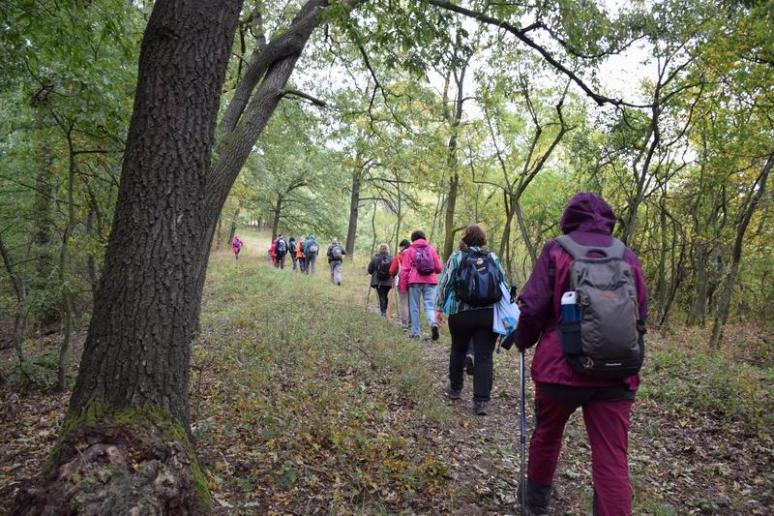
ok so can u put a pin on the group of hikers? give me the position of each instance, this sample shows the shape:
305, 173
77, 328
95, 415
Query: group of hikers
302, 252
584, 306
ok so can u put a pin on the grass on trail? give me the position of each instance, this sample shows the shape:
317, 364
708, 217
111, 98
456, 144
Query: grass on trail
302, 401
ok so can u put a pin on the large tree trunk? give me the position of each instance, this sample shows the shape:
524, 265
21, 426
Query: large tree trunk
127, 422
354, 209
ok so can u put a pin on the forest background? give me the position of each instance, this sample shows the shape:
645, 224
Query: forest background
404, 115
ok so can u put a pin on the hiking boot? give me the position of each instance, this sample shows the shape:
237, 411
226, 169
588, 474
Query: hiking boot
453, 394
479, 407
434, 331
469, 365
538, 497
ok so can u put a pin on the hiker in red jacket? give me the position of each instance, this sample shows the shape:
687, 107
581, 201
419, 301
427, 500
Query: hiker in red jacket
273, 252
559, 389
421, 265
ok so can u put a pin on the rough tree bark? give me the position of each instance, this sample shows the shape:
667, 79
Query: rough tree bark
128, 416
127, 424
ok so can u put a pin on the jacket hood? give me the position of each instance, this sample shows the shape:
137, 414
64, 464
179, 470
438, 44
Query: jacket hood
587, 212
419, 242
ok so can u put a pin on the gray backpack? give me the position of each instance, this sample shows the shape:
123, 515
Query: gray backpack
607, 340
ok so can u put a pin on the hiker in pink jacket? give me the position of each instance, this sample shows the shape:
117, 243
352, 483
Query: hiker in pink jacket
559, 389
419, 268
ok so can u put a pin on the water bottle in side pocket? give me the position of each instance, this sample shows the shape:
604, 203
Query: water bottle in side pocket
570, 308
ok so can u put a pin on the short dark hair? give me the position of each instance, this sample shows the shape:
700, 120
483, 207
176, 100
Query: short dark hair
404, 244
416, 235
474, 236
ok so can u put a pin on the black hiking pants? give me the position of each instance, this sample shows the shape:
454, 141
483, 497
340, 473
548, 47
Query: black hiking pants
383, 292
475, 325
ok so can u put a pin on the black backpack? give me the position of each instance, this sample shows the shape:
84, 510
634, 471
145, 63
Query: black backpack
383, 267
607, 340
281, 247
478, 279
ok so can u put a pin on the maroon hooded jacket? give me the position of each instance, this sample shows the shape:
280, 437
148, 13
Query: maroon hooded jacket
589, 220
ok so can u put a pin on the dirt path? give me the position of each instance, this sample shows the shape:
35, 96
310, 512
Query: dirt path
485, 449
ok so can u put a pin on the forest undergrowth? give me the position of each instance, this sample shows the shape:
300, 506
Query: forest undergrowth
304, 400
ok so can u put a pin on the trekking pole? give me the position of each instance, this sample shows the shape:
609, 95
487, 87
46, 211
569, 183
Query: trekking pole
522, 434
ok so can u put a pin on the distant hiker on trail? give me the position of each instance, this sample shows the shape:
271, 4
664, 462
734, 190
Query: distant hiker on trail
381, 278
236, 246
335, 259
472, 283
420, 265
402, 285
594, 365
273, 252
280, 250
311, 250
292, 251
300, 255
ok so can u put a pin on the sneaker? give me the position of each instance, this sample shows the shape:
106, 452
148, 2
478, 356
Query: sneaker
453, 394
479, 407
413, 336
434, 330
469, 365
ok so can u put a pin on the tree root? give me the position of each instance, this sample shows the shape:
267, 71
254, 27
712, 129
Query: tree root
128, 469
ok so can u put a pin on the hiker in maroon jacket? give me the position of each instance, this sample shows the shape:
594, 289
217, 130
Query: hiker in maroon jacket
560, 390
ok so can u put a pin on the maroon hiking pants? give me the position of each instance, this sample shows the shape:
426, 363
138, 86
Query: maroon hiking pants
606, 415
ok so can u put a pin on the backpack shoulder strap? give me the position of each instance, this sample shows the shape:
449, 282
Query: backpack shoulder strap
578, 251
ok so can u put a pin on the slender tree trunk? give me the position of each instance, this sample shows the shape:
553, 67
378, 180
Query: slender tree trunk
525, 233
20, 311
505, 238
44, 195
451, 208
219, 233
233, 226
698, 311
354, 210
277, 215
727, 287
373, 230
67, 308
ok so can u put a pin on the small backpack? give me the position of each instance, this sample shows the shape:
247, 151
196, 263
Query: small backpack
607, 340
292, 247
383, 268
336, 252
312, 249
477, 281
281, 246
423, 262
